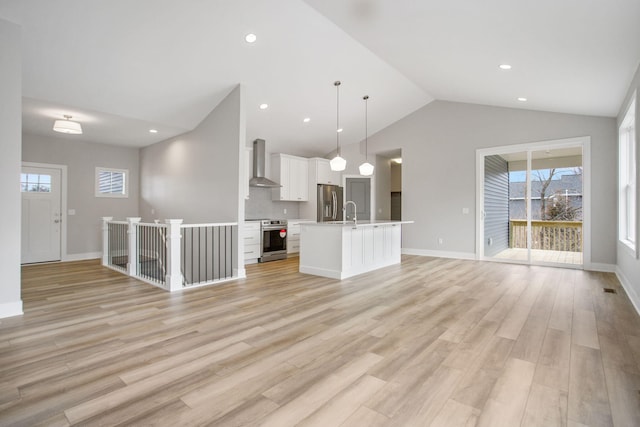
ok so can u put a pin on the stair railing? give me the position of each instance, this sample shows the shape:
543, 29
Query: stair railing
171, 255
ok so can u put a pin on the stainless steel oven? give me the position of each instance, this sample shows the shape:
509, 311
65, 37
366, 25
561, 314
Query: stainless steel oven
274, 239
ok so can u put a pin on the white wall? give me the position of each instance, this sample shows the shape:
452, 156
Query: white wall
84, 239
10, 141
439, 144
195, 176
628, 265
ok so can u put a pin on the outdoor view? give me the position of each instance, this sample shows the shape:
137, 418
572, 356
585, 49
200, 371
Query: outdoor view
556, 212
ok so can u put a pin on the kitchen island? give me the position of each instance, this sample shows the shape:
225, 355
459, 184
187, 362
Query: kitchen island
341, 249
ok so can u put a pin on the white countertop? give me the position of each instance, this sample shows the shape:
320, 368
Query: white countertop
367, 223
288, 220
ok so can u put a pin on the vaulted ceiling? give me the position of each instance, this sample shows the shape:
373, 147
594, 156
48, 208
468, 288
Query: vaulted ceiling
124, 67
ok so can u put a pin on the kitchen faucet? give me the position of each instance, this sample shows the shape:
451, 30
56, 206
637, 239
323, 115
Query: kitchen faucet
355, 210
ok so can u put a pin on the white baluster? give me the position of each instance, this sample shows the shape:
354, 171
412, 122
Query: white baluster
105, 239
174, 276
132, 233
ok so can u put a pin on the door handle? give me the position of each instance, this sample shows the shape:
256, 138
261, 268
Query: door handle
335, 204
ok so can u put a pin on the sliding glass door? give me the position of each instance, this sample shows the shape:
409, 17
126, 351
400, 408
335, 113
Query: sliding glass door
531, 204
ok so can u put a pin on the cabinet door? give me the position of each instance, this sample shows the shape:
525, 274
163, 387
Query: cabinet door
281, 165
293, 174
378, 244
324, 173
302, 180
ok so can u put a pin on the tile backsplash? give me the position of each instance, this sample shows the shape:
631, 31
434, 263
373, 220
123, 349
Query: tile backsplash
260, 206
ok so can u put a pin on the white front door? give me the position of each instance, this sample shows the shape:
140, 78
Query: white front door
41, 214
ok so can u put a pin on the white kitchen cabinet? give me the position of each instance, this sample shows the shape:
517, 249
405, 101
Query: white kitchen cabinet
293, 235
323, 172
252, 241
293, 174
341, 250
319, 173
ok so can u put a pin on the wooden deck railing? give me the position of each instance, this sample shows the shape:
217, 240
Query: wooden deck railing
547, 235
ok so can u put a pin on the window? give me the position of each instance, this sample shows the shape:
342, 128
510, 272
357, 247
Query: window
35, 183
627, 178
111, 182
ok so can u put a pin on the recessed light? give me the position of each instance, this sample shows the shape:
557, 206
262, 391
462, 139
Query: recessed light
250, 38
264, 106
522, 99
306, 120
505, 66
153, 131
340, 130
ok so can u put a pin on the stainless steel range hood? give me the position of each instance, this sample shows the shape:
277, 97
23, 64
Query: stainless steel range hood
259, 180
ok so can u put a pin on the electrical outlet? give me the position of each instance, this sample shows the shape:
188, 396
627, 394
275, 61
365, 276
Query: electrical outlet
440, 240
285, 211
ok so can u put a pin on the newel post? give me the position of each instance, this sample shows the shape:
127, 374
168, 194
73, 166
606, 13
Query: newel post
105, 239
174, 275
132, 233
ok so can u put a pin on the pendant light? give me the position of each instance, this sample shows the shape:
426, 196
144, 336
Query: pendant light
366, 168
67, 126
337, 163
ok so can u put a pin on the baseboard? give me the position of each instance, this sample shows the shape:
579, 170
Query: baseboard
324, 272
631, 293
597, 266
82, 257
439, 254
10, 309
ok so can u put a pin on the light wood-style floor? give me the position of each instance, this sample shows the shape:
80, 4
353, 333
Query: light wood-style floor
436, 342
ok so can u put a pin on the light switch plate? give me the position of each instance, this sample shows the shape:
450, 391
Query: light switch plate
465, 211
71, 212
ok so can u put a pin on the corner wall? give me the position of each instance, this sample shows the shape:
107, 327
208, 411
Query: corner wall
628, 267
194, 176
10, 142
439, 144
197, 176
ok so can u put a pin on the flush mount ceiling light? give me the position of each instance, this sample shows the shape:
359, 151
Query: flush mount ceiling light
67, 126
522, 99
153, 131
264, 106
337, 163
250, 38
366, 168
306, 120
505, 66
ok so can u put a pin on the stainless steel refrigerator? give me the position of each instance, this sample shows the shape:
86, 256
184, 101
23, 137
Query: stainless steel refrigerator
329, 203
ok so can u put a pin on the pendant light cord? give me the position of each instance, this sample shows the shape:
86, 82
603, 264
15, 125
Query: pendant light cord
337, 85
366, 127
